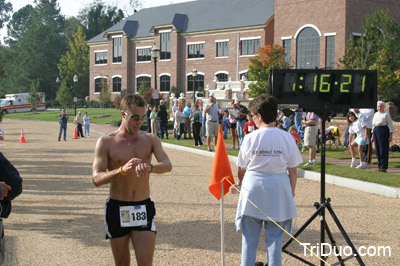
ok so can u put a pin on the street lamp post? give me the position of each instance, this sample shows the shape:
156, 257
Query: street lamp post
194, 74
155, 53
75, 98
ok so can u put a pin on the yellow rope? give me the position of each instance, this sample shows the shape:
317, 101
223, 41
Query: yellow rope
295, 239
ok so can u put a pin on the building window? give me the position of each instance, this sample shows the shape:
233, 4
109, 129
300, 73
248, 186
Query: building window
196, 50
117, 84
143, 54
244, 74
142, 80
165, 41
330, 52
287, 46
222, 77
249, 47
198, 82
308, 43
100, 58
165, 82
222, 49
117, 50
99, 83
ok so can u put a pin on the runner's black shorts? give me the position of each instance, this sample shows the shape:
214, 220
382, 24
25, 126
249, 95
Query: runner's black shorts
112, 217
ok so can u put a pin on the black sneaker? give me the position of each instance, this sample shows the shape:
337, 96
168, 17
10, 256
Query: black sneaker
259, 263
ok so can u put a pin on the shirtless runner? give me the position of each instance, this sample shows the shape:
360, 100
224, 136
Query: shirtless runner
123, 160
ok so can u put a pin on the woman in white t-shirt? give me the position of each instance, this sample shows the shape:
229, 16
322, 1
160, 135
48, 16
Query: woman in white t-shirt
267, 172
359, 129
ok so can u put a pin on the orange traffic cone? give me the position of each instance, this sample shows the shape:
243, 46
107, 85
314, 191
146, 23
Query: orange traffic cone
76, 134
22, 138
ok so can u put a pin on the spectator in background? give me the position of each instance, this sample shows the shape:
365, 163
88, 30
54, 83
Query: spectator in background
233, 113
212, 114
293, 131
250, 125
241, 120
174, 109
154, 121
63, 117
179, 126
225, 124
187, 112
196, 122
86, 125
79, 124
310, 136
148, 119
366, 116
358, 138
284, 120
382, 128
163, 118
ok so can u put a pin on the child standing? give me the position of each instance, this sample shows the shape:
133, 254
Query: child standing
250, 126
359, 129
293, 132
225, 124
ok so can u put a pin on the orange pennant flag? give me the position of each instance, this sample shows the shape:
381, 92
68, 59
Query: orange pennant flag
221, 169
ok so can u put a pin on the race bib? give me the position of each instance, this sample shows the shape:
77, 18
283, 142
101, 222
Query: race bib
133, 215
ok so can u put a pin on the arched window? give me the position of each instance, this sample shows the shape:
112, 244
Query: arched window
99, 83
308, 48
117, 84
142, 79
198, 82
222, 77
165, 83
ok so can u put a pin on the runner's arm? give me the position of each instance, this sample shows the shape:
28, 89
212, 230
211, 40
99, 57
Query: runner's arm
164, 164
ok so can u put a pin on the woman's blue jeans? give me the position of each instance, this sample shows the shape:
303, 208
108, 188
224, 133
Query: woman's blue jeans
251, 228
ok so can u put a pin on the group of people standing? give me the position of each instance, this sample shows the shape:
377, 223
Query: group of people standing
81, 122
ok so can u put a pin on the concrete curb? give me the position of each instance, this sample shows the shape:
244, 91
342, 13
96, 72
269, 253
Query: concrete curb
386, 191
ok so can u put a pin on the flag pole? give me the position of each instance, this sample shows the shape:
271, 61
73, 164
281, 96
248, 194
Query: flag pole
222, 225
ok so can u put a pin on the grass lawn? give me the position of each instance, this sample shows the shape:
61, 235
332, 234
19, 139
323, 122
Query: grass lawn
107, 116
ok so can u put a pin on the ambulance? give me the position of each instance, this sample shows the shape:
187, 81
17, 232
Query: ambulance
19, 102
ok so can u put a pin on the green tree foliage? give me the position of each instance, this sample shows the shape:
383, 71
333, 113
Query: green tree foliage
76, 62
34, 97
5, 9
97, 17
36, 42
269, 57
377, 49
65, 95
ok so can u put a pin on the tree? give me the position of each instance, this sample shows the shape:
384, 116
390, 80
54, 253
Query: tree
35, 47
64, 94
5, 9
34, 97
76, 61
269, 57
377, 49
97, 17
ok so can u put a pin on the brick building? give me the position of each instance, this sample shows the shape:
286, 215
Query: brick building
217, 37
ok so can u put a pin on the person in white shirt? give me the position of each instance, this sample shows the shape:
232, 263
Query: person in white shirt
86, 125
366, 115
359, 129
382, 128
267, 174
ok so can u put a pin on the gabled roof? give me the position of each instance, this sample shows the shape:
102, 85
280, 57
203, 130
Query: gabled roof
202, 15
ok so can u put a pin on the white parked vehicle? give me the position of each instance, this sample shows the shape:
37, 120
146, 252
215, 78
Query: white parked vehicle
19, 102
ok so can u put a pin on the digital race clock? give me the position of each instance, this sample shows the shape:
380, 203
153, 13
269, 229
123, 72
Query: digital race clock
331, 90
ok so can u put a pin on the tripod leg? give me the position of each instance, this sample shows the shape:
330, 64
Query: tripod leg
344, 234
329, 233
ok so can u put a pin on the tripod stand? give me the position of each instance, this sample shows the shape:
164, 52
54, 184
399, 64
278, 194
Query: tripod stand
321, 206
